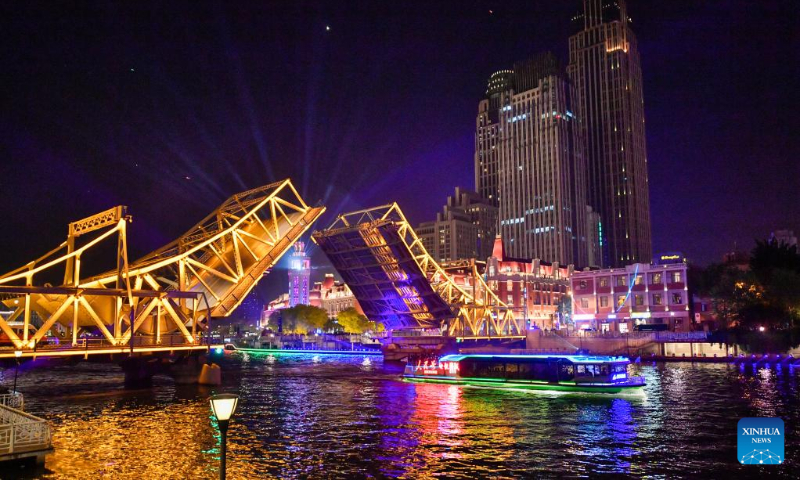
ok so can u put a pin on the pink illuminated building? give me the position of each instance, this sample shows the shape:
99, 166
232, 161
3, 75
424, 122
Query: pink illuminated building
636, 297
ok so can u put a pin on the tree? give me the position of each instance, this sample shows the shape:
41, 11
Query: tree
299, 319
353, 322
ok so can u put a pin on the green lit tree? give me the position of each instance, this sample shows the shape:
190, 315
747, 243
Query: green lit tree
353, 322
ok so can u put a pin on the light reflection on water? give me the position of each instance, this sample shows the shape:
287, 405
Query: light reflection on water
340, 417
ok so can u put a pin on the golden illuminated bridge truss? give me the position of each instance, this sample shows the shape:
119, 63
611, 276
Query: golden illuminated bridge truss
163, 301
398, 284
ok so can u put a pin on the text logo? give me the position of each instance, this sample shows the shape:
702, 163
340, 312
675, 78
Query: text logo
760, 441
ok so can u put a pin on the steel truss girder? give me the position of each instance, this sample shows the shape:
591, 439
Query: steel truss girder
205, 273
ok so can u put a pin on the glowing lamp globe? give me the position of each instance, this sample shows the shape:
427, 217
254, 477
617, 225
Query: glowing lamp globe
224, 405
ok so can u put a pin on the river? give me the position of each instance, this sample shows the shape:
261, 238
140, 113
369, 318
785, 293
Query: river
306, 416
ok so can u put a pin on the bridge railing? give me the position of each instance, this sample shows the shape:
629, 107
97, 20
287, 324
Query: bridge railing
89, 344
655, 336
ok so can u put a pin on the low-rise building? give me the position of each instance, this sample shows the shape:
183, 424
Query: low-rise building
532, 287
637, 297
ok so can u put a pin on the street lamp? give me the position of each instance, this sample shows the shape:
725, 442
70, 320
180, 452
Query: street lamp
223, 406
17, 355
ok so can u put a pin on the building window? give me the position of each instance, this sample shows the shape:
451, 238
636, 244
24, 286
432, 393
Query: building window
655, 279
656, 299
677, 298
603, 301
620, 301
604, 282
638, 280
639, 300
584, 303
583, 284
676, 277
621, 281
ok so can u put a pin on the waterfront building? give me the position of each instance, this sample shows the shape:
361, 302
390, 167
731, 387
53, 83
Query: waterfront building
532, 287
619, 299
299, 275
605, 71
704, 312
330, 294
529, 162
465, 228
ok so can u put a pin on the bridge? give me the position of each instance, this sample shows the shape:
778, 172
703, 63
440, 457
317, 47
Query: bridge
398, 284
162, 302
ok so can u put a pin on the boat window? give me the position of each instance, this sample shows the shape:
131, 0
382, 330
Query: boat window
581, 370
567, 372
620, 368
539, 371
512, 370
603, 369
466, 368
490, 369
590, 370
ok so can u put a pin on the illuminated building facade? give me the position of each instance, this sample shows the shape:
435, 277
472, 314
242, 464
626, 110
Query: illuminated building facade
605, 70
299, 275
533, 288
529, 162
618, 299
465, 228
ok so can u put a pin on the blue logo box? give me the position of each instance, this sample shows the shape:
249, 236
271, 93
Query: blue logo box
760, 441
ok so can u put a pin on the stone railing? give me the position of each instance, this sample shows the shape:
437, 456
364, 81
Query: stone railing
22, 432
13, 400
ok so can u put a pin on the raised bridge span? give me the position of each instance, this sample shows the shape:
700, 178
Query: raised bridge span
398, 284
163, 301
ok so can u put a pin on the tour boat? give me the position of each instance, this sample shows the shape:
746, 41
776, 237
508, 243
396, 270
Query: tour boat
558, 373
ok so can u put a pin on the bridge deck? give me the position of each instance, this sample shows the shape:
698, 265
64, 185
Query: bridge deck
96, 346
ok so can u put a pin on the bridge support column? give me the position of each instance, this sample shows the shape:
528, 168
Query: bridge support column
186, 372
139, 372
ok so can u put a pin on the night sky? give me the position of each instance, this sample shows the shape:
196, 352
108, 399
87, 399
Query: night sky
170, 108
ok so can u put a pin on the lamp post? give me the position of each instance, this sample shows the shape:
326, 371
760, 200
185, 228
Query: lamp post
223, 406
17, 355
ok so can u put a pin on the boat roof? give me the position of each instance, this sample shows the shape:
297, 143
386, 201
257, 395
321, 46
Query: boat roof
572, 358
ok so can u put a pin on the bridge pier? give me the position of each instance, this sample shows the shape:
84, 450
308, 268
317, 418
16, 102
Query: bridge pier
139, 371
183, 369
186, 371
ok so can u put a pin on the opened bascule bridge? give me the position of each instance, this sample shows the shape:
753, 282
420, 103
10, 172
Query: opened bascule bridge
162, 304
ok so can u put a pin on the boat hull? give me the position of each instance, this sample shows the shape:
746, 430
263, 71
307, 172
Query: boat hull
630, 388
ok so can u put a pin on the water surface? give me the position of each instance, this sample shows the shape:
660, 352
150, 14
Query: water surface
306, 416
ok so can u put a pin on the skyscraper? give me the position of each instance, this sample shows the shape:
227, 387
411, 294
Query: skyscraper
465, 228
528, 162
605, 71
299, 275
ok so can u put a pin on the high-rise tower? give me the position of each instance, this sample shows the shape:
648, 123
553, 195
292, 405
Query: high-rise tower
605, 71
299, 275
528, 162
